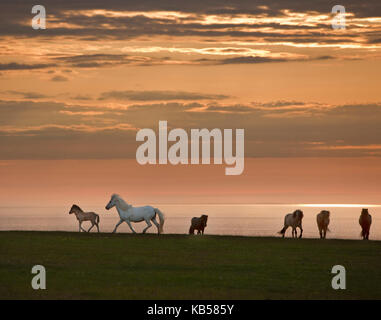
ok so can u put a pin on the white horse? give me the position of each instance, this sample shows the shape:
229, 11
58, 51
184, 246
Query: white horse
128, 213
293, 220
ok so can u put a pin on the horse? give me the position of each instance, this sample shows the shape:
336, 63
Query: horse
128, 213
322, 220
198, 224
85, 216
293, 220
365, 222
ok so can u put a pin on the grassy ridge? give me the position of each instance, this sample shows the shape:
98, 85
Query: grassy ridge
125, 266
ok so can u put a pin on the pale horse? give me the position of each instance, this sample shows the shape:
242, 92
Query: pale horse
128, 214
322, 220
293, 220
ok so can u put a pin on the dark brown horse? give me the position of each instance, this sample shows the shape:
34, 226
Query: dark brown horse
198, 224
365, 222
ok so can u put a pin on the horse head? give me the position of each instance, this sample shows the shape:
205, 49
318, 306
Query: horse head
74, 208
298, 213
112, 202
325, 212
116, 200
204, 219
364, 212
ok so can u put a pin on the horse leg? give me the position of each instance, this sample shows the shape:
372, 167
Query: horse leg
149, 225
301, 231
283, 231
129, 224
117, 225
294, 233
156, 224
80, 227
92, 225
97, 226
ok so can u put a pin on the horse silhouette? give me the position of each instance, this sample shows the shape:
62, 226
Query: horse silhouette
322, 220
293, 220
198, 224
365, 222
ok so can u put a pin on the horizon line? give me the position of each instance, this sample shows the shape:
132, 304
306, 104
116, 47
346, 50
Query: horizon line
308, 205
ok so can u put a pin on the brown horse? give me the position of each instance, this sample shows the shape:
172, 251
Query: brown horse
365, 222
85, 216
322, 220
198, 224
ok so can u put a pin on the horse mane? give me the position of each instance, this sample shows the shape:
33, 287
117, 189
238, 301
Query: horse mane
122, 204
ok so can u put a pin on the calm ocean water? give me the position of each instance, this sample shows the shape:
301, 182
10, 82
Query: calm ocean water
248, 220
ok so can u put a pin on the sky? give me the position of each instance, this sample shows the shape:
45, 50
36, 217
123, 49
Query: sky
74, 95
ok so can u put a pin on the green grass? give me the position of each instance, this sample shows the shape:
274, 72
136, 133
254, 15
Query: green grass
125, 266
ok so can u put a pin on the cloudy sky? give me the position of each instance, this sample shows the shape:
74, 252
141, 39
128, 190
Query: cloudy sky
308, 97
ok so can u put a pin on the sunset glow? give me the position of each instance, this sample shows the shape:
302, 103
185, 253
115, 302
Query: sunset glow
339, 205
307, 96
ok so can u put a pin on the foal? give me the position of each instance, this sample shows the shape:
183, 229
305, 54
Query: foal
85, 216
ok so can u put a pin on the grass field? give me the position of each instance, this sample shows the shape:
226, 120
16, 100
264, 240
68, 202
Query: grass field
125, 266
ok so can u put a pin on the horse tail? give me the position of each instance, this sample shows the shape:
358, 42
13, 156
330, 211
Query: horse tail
161, 218
191, 230
282, 231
